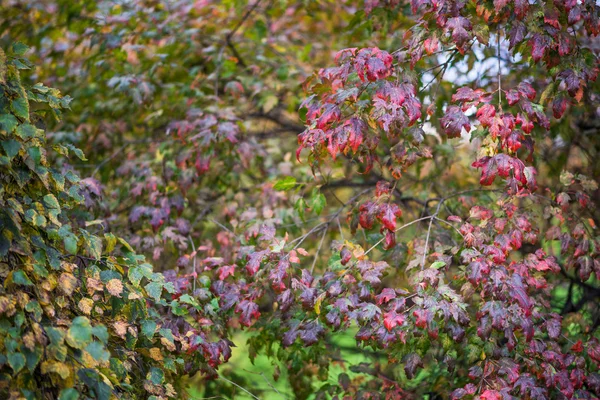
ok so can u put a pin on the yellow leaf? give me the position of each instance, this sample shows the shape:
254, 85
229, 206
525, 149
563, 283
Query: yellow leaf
86, 305
319, 301
67, 283
155, 354
56, 367
115, 287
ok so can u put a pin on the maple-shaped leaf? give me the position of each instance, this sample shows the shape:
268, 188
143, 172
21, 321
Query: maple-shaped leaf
431, 44
285, 300
564, 45
460, 27
290, 336
490, 395
551, 17
512, 97
571, 80
466, 94
345, 256
499, 5
225, 271
388, 215
518, 292
356, 129
485, 114
254, 260
411, 363
386, 295
593, 382
331, 113
539, 44
374, 63
278, 274
477, 270
510, 369
311, 332
526, 90
521, 7
453, 122
248, 311
422, 317
367, 212
517, 32
392, 319
559, 106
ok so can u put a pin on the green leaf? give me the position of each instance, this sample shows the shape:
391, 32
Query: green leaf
11, 147
70, 243
74, 194
93, 243
19, 48
101, 333
154, 290
286, 183
76, 151
269, 103
20, 278
187, 299
111, 242
26, 131
20, 107
68, 394
300, 207
50, 201
32, 357
156, 375
438, 264
79, 334
97, 350
148, 328
318, 202
16, 361
8, 122
136, 274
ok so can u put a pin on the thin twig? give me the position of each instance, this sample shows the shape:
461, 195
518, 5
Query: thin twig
499, 71
262, 374
116, 153
193, 262
425, 251
312, 268
235, 384
397, 229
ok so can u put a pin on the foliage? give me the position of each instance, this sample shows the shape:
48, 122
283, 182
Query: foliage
441, 208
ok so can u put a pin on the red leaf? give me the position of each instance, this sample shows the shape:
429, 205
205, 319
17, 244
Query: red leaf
453, 121
248, 311
392, 319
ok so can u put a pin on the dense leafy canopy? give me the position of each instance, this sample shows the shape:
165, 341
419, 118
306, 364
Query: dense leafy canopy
421, 175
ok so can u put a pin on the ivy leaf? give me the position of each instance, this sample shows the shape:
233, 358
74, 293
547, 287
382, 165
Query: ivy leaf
79, 334
285, 184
